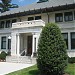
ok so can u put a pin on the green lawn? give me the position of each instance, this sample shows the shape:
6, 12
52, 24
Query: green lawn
34, 71
70, 69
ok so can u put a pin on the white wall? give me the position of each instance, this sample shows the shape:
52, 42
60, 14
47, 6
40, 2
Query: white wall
65, 27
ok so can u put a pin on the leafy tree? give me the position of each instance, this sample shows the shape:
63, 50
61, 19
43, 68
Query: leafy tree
52, 54
5, 5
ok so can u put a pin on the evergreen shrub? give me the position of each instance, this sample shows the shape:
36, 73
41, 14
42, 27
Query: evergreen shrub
52, 54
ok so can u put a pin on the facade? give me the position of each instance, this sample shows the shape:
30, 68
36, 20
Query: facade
20, 28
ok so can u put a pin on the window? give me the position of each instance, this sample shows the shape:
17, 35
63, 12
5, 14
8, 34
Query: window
2, 24
68, 16
14, 20
65, 36
9, 43
73, 40
30, 18
74, 15
59, 17
3, 43
35, 45
7, 24
37, 17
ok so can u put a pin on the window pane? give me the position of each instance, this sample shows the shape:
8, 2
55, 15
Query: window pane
68, 16
30, 18
8, 24
3, 43
65, 36
59, 17
74, 15
4, 39
37, 17
9, 43
73, 40
2, 24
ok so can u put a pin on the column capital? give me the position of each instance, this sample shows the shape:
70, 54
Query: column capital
34, 33
18, 34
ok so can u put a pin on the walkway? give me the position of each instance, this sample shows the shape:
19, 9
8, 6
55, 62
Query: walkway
6, 67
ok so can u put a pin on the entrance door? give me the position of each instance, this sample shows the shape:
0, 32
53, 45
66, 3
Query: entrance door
29, 45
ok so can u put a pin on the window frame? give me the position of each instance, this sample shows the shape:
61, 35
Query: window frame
9, 43
2, 25
66, 40
8, 24
68, 15
59, 16
38, 17
30, 18
13, 21
72, 40
2, 42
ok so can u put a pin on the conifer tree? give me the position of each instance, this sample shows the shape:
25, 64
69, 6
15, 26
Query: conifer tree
52, 54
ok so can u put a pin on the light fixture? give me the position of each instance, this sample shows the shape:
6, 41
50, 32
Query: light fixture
9, 37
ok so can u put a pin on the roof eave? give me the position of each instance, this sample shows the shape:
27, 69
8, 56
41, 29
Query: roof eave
38, 11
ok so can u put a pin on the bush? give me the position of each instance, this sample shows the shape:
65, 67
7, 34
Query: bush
8, 53
3, 55
52, 54
71, 59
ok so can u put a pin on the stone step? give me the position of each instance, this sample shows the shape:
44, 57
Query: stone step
21, 59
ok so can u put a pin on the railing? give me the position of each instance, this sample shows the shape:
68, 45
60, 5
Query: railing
23, 53
34, 23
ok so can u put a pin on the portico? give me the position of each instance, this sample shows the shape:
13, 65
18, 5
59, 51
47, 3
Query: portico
25, 39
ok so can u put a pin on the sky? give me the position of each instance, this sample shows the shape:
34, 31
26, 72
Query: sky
23, 2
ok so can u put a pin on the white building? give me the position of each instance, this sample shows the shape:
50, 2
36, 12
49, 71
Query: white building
20, 28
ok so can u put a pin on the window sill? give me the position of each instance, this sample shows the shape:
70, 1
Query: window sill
65, 22
73, 50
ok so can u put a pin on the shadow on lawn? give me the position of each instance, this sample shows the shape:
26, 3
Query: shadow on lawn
34, 72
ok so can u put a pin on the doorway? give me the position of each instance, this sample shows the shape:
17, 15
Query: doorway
29, 45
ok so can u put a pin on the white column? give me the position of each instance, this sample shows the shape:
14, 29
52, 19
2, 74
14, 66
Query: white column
34, 44
18, 44
13, 44
69, 41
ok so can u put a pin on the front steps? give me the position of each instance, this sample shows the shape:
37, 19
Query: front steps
21, 59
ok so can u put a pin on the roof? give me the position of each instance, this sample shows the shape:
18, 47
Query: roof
36, 6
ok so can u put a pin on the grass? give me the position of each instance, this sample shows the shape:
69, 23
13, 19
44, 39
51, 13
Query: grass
70, 69
27, 71
34, 71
